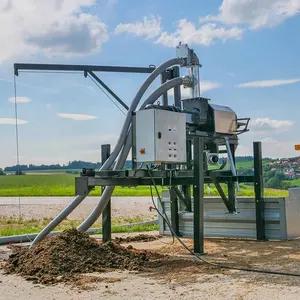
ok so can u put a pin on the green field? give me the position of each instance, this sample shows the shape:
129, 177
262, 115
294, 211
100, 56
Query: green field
15, 226
64, 185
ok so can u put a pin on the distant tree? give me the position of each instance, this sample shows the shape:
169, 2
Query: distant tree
2, 173
19, 172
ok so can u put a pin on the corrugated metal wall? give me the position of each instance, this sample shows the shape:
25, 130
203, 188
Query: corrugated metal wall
219, 223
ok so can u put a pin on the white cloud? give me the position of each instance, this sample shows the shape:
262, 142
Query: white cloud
19, 99
186, 32
53, 28
149, 28
268, 83
78, 117
255, 13
261, 125
11, 121
205, 35
271, 147
205, 86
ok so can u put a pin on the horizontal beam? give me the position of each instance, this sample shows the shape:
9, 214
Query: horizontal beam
84, 183
141, 173
88, 68
130, 181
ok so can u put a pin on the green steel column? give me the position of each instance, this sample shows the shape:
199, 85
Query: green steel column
259, 192
198, 189
231, 185
186, 189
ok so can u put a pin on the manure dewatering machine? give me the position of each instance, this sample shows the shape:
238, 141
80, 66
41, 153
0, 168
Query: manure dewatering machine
177, 145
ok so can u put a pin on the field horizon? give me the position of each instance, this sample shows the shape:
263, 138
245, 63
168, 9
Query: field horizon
62, 184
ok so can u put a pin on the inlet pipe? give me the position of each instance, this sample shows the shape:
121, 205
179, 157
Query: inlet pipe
92, 218
121, 140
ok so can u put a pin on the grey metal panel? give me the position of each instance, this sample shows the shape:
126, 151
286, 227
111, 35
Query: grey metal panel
219, 223
292, 210
224, 119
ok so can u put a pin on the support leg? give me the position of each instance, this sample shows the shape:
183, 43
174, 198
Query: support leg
106, 215
186, 189
231, 185
174, 211
198, 196
258, 189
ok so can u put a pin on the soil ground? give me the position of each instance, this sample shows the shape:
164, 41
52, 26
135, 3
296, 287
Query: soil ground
181, 278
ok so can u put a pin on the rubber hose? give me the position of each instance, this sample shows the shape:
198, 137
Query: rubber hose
92, 218
59, 218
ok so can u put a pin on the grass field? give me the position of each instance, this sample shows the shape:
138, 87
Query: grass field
16, 226
64, 185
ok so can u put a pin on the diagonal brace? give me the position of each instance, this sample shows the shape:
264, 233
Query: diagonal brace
108, 89
229, 205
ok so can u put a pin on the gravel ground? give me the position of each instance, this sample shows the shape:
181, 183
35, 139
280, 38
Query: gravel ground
49, 207
183, 281
179, 281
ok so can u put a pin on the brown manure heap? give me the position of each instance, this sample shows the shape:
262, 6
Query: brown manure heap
59, 258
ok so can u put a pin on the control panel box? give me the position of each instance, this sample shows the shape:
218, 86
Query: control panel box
160, 136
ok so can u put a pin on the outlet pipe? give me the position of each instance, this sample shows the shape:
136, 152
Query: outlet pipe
121, 140
92, 218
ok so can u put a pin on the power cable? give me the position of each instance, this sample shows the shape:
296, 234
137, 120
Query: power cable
198, 256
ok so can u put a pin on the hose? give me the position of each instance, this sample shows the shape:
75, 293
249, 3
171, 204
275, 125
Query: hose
59, 218
92, 218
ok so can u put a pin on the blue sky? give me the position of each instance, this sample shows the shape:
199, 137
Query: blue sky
249, 51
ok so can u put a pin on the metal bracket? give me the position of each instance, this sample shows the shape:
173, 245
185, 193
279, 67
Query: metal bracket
81, 186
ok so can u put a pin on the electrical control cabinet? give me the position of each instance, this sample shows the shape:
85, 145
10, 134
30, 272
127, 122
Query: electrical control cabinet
160, 136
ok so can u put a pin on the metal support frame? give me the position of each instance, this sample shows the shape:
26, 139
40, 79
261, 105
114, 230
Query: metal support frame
78, 68
108, 89
259, 193
106, 215
231, 185
174, 210
186, 189
177, 93
163, 79
198, 188
87, 69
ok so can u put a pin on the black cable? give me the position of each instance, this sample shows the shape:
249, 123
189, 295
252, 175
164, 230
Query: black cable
212, 263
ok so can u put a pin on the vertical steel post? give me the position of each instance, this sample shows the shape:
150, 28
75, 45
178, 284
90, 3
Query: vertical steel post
106, 215
133, 147
163, 79
231, 185
259, 193
198, 196
177, 91
174, 211
186, 189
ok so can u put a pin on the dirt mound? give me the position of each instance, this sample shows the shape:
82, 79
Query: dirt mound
137, 238
61, 257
